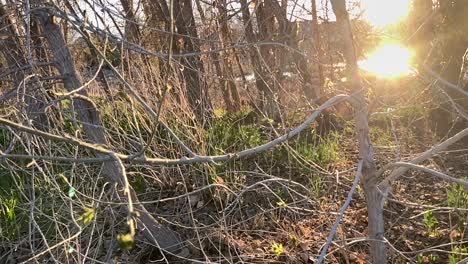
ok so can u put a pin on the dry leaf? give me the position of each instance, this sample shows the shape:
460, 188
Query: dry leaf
454, 234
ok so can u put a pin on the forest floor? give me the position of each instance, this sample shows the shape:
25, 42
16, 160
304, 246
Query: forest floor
279, 223
276, 207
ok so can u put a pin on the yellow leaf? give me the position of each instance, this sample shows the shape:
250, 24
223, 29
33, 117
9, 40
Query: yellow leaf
281, 204
277, 248
126, 241
86, 217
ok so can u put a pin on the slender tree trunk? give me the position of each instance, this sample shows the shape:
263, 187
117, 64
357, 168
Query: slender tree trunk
132, 31
254, 54
303, 64
317, 47
159, 36
224, 37
15, 56
88, 116
12, 51
197, 93
217, 63
283, 35
266, 22
374, 197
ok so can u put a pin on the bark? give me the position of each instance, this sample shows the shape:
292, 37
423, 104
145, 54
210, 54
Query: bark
369, 183
196, 89
317, 48
266, 23
37, 42
12, 51
219, 70
224, 37
132, 32
88, 115
254, 54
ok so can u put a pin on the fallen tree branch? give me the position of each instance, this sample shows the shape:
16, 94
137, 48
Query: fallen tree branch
184, 160
425, 169
54, 158
385, 184
340, 216
443, 81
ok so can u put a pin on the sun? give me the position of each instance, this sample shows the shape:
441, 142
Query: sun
390, 60
381, 13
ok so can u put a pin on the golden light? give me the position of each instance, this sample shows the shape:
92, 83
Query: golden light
390, 60
381, 13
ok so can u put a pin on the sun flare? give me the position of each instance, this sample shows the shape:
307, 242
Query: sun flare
390, 60
384, 13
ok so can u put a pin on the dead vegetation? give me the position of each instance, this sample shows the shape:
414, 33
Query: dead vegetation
143, 146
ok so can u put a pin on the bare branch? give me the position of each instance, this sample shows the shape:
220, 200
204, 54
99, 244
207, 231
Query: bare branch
425, 169
184, 160
421, 158
340, 216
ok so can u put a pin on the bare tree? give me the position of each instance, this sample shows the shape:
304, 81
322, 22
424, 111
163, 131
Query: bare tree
193, 71
369, 183
13, 52
255, 60
132, 31
88, 116
224, 37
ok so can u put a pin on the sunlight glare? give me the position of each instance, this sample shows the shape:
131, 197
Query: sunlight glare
384, 13
388, 61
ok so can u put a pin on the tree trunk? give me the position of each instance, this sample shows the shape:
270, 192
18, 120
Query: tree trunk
317, 47
25, 85
88, 115
12, 51
224, 37
197, 94
266, 23
219, 70
374, 198
303, 64
254, 54
455, 26
132, 32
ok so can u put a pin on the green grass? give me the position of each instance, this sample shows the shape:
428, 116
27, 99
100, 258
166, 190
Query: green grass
430, 222
9, 211
457, 197
12, 216
229, 133
320, 150
458, 254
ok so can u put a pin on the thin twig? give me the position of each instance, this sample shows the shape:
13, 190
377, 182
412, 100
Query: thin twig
184, 160
425, 169
385, 184
340, 216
